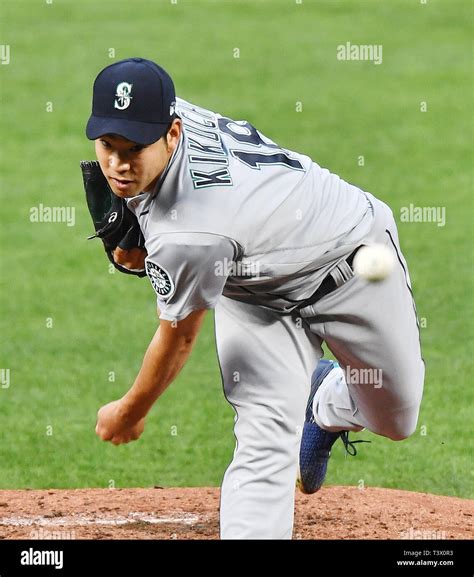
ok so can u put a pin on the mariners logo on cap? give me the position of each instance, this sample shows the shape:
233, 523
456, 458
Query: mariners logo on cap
160, 280
122, 95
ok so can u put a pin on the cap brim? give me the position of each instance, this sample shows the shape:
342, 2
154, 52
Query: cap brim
139, 132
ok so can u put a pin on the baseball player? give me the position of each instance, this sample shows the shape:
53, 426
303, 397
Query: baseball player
231, 221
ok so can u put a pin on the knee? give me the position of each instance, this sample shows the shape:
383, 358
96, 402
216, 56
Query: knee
402, 423
400, 434
402, 426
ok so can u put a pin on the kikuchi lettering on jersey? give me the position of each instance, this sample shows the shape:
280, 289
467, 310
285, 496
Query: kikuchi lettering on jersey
235, 214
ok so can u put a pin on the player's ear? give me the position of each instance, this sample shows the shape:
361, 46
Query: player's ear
173, 135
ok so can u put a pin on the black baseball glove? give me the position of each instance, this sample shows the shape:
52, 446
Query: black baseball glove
114, 223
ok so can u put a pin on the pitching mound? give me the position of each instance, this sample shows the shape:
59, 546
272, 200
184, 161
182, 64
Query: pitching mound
192, 513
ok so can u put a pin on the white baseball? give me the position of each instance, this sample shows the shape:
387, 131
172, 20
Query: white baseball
374, 263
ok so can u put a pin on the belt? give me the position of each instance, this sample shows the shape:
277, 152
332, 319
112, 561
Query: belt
329, 284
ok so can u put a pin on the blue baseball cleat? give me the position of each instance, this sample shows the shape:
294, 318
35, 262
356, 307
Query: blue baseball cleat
316, 443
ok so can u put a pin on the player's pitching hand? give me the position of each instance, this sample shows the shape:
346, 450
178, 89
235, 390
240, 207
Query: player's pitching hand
113, 425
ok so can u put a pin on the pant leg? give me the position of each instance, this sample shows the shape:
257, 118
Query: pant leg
266, 362
372, 329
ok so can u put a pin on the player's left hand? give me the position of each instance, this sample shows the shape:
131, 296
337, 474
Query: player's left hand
112, 424
132, 259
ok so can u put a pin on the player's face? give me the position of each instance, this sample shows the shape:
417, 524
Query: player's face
132, 168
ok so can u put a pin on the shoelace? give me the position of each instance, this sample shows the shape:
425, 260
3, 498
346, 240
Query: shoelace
349, 445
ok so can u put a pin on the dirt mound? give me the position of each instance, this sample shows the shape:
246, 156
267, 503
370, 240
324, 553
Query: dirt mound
193, 513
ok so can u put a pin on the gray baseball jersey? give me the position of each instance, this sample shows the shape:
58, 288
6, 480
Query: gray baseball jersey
236, 214
238, 224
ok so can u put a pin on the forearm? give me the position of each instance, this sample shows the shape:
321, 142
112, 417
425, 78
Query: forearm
166, 355
160, 366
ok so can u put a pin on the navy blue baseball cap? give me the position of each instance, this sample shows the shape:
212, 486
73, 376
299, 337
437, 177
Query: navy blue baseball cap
133, 98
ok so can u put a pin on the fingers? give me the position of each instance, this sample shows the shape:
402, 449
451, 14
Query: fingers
104, 436
124, 439
118, 441
130, 258
110, 428
99, 431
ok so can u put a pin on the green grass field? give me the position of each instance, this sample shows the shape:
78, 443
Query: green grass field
73, 335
